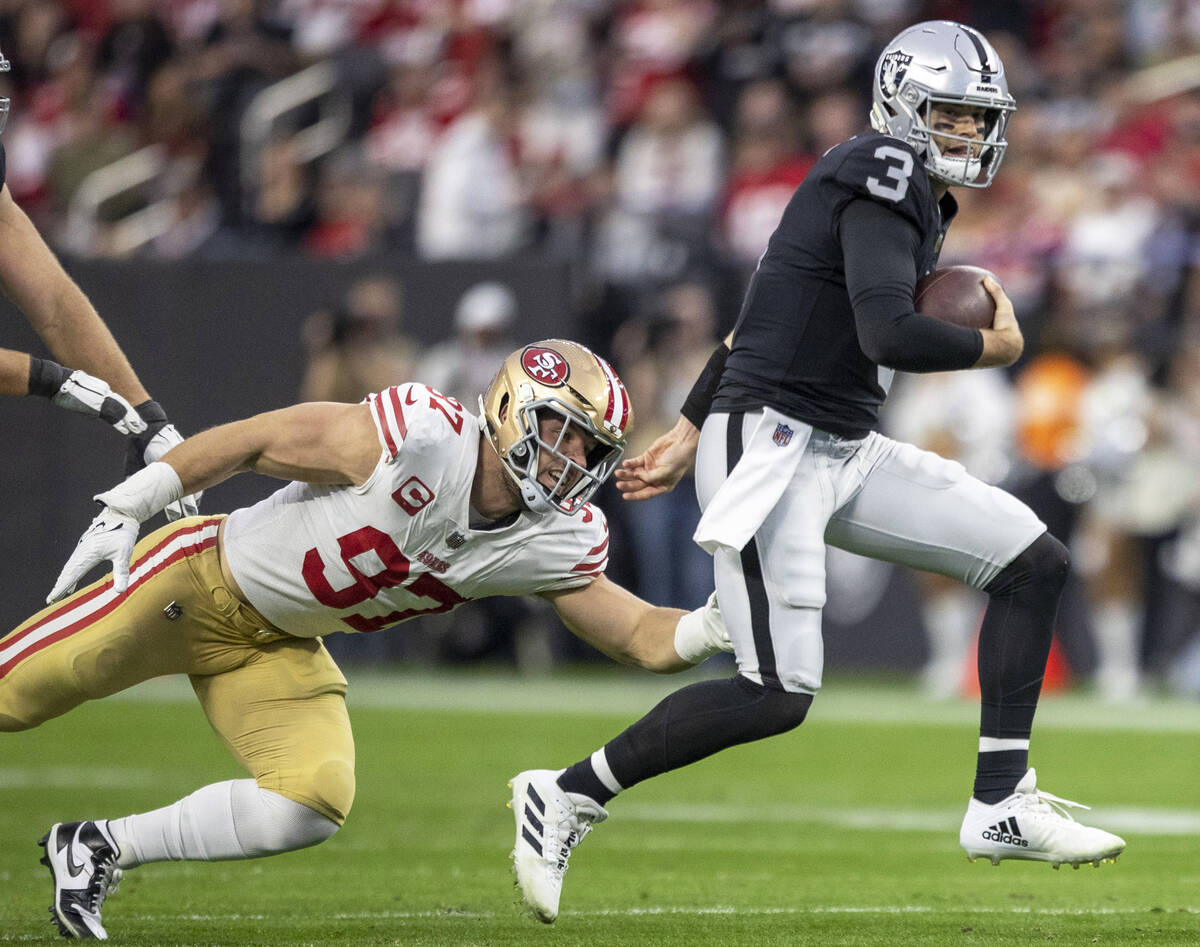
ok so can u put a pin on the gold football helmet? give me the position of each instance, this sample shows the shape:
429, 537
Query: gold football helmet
579, 387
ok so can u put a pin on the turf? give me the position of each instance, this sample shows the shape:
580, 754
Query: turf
844, 832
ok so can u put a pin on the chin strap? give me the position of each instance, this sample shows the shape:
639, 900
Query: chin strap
534, 498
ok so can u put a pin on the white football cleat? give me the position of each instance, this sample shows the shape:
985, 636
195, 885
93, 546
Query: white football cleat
82, 858
1034, 825
550, 822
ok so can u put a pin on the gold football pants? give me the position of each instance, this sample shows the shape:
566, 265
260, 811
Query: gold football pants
278, 702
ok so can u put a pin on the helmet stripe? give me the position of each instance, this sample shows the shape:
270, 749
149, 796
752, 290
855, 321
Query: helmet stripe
986, 67
618, 400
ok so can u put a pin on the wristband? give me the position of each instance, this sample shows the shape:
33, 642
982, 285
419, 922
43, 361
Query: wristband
152, 413
700, 398
147, 492
46, 377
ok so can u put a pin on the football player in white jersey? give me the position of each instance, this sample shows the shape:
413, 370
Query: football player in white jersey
402, 505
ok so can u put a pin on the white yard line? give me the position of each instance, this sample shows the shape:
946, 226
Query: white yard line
700, 911
622, 693
73, 777
1141, 821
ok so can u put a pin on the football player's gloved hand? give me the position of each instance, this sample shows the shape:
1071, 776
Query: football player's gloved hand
91, 396
159, 436
110, 538
701, 633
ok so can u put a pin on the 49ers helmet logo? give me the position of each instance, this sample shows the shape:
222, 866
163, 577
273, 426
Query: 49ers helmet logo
545, 366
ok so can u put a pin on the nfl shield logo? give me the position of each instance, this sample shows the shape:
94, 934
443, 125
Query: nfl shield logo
456, 540
783, 435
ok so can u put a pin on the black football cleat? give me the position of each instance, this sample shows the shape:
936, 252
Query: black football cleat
82, 858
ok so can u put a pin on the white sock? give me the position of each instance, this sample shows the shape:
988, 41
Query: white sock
228, 820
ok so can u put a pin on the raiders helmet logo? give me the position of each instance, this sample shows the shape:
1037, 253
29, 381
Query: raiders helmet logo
892, 71
545, 366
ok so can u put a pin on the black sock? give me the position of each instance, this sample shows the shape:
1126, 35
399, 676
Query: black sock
581, 777
1014, 643
998, 772
692, 723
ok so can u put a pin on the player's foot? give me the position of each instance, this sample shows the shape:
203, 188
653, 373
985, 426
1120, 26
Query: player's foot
550, 822
1034, 825
82, 858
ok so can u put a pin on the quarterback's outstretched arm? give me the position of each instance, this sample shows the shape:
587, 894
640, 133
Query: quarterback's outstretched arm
663, 463
617, 623
319, 442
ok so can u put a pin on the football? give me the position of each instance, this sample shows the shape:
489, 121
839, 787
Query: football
956, 294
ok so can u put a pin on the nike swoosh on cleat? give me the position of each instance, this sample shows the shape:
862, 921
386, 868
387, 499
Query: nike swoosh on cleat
73, 867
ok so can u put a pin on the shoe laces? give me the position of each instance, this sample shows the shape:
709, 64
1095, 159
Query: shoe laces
105, 880
1047, 802
569, 831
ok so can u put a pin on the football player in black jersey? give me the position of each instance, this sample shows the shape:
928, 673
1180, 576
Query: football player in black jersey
781, 426
103, 384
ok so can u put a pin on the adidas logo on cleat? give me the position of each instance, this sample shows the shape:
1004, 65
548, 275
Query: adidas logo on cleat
1007, 832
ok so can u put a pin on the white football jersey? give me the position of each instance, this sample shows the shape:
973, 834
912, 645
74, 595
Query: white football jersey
315, 558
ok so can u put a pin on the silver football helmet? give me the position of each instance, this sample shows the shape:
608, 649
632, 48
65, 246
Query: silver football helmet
943, 63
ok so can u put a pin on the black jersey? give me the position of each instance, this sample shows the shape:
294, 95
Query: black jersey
796, 346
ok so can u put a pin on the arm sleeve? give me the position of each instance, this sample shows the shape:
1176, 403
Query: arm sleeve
880, 251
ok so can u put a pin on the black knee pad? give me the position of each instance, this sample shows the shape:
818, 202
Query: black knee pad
1043, 565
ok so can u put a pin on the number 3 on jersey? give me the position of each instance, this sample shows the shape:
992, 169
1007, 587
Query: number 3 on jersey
899, 166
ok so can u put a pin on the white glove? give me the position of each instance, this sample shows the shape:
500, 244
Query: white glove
701, 633
92, 396
110, 538
166, 438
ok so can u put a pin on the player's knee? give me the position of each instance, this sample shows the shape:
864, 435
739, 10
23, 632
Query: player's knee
1042, 567
328, 788
14, 718
778, 711
269, 822
787, 710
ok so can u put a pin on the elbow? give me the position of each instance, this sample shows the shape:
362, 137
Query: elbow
881, 352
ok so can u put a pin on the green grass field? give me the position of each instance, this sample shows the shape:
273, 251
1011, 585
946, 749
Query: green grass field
843, 832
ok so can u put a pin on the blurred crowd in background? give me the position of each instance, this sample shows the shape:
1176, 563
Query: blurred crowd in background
653, 145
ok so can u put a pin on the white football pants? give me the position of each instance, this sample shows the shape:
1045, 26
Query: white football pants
775, 491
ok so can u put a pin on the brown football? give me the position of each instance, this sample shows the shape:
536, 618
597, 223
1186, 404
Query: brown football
956, 294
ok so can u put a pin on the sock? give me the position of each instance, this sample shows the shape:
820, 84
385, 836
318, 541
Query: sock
1014, 643
686, 726
593, 777
1001, 765
229, 820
